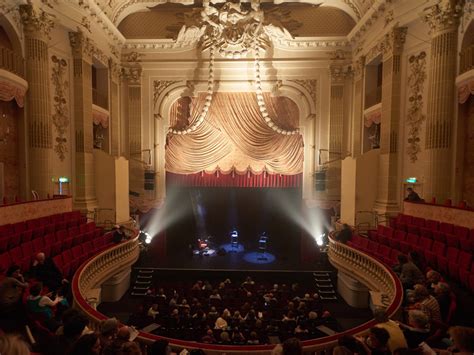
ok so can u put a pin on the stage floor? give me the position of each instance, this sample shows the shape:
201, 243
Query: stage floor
233, 259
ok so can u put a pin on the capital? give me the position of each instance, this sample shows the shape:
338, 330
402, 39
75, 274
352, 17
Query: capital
393, 41
338, 73
36, 22
115, 70
444, 16
132, 75
82, 46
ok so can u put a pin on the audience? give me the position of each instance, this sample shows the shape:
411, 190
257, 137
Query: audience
397, 339
377, 342
42, 305
409, 273
417, 330
426, 302
44, 270
13, 345
88, 344
11, 289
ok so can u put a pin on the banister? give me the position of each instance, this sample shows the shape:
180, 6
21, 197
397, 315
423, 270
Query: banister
359, 265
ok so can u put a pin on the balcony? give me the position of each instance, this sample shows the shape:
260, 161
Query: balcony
99, 99
12, 62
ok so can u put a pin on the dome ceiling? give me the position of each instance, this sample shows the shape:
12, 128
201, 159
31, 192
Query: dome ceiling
301, 20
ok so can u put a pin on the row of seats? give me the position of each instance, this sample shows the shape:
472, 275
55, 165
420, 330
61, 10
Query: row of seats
60, 219
51, 244
448, 260
42, 235
453, 235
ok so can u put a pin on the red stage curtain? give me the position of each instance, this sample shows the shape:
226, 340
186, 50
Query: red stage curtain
234, 180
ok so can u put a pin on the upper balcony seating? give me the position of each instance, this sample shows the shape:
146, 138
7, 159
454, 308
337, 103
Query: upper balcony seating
443, 246
67, 238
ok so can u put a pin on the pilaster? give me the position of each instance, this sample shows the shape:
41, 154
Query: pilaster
37, 24
358, 104
443, 20
388, 190
82, 50
114, 70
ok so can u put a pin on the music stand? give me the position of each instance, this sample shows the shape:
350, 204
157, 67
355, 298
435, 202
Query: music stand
234, 240
262, 247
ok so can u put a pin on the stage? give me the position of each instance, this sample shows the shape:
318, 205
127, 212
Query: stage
208, 216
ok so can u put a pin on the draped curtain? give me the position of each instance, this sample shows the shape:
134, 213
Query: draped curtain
234, 137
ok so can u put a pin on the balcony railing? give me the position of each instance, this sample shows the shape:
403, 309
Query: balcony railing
12, 62
467, 59
376, 276
100, 99
373, 97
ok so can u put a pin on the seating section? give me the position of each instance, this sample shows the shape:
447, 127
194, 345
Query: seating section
442, 246
67, 238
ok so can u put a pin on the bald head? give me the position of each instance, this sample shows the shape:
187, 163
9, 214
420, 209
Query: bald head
123, 333
40, 257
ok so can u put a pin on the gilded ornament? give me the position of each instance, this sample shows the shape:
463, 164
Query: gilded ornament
60, 116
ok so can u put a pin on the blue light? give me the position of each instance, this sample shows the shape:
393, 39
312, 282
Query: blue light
411, 180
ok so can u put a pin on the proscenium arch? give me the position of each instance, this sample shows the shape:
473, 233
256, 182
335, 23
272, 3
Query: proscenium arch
12, 33
295, 92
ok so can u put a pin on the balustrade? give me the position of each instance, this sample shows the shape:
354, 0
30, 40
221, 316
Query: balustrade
12, 62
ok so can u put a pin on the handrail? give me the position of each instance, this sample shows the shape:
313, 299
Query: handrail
362, 267
12, 62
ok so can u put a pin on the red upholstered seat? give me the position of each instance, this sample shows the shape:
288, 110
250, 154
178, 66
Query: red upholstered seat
426, 232
26, 236
83, 228
384, 254
91, 226
431, 224
61, 234
4, 241
19, 227
6, 230
38, 232
431, 257
465, 274
471, 282
88, 249
67, 243
394, 256
76, 251
373, 234
424, 244
16, 253
49, 228
61, 225
463, 263
373, 247
413, 229
5, 262
409, 244
446, 228
451, 256
73, 231
38, 245
467, 244
27, 249
439, 236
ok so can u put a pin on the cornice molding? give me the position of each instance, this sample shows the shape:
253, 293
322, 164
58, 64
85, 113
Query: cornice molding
369, 19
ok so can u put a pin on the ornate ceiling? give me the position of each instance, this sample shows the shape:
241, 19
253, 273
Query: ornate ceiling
117, 10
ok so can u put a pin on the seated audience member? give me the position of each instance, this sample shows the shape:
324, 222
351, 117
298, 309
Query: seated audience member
131, 348
160, 347
123, 336
11, 289
416, 259
345, 234
225, 338
291, 346
432, 279
253, 339
409, 272
418, 328
237, 336
153, 311
463, 341
13, 344
441, 292
88, 344
426, 302
73, 329
108, 331
209, 337
44, 270
397, 339
412, 196
67, 316
215, 295
350, 343
43, 305
221, 322
119, 234
377, 342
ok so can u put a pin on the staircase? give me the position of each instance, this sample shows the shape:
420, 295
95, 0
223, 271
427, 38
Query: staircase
324, 284
143, 281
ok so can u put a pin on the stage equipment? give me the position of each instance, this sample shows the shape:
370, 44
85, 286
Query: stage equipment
234, 239
262, 246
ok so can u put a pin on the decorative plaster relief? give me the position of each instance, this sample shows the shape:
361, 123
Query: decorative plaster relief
158, 87
60, 116
415, 115
311, 85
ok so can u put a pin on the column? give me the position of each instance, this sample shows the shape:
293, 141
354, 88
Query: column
336, 121
133, 111
358, 104
388, 191
84, 185
37, 25
443, 20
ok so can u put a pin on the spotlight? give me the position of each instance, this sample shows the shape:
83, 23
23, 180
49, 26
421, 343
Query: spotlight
145, 237
320, 240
